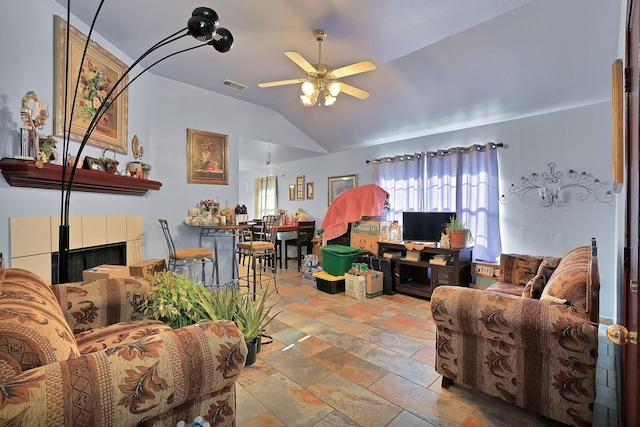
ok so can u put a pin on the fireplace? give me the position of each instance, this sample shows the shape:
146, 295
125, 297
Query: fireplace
84, 258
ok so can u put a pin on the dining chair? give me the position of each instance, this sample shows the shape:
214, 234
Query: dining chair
260, 247
187, 257
306, 232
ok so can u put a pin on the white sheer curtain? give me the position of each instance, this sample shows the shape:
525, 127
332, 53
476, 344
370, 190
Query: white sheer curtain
478, 199
442, 178
402, 177
266, 196
461, 180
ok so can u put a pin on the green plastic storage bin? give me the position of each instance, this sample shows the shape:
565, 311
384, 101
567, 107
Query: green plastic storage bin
337, 259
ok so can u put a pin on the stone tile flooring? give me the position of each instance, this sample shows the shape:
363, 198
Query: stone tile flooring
337, 361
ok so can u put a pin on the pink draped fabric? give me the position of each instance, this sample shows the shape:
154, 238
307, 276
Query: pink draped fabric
351, 206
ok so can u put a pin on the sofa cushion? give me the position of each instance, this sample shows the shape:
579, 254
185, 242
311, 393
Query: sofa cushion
569, 280
33, 330
506, 288
534, 287
518, 269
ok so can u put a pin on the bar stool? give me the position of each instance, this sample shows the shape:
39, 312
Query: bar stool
186, 257
260, 247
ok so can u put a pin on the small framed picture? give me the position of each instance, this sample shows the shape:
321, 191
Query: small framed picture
300, 181
300, 195
309, 190
94, 164
292, 192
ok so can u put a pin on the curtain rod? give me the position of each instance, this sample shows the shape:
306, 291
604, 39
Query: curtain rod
440, 152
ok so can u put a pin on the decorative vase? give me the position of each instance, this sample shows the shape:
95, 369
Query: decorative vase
252, 353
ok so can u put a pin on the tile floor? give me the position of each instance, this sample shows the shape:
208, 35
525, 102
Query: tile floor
337, 361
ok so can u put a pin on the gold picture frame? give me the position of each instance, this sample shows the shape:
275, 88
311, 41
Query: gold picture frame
207, 157
292, 192
309, 190
101, 70
338, 184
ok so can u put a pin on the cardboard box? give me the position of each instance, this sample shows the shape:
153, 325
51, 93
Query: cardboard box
365, 234
373, 282
105, 271
355, 286
147, 268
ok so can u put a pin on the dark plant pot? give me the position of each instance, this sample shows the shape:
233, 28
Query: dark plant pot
252, 354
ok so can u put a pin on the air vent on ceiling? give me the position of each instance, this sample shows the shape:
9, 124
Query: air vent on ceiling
233, 85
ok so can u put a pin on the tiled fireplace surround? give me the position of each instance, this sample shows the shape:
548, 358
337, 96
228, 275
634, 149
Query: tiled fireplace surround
34, 239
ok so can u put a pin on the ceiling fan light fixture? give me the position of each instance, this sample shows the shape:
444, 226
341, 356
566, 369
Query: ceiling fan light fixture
306, 100
308, 88
334, 88
328, 99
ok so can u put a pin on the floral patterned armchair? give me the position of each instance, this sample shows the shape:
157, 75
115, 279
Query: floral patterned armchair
79, 354
538, 352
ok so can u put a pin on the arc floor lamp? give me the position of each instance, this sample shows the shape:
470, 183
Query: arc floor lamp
202, 25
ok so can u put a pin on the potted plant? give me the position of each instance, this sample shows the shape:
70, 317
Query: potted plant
177, 301
110, 164
145, 169
252, 316
457, 232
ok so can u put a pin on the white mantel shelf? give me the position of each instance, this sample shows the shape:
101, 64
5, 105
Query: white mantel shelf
25, 173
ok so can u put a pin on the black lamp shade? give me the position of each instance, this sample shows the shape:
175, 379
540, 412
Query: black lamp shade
224, 43
207, 13
200, 28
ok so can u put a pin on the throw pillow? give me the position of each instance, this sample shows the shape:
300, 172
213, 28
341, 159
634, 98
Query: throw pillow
534, 287
569, 280
518, 269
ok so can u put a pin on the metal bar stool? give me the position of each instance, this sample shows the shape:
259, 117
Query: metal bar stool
260, 247
186, 257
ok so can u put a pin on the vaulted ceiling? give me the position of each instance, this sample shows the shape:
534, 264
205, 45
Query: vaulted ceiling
441, 64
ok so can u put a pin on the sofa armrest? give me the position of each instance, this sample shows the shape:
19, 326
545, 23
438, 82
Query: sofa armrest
99, 303
547, 327
127, 384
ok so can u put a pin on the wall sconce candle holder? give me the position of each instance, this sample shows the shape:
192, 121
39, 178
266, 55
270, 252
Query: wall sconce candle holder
550, 186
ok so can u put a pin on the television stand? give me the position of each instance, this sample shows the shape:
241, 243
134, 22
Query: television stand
420, 277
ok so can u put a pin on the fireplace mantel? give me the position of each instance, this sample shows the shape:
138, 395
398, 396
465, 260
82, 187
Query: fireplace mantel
25, 173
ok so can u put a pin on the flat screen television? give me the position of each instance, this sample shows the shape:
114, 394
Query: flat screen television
424, 226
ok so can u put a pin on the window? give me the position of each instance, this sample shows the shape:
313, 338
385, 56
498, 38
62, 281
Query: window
266, 196
464, 180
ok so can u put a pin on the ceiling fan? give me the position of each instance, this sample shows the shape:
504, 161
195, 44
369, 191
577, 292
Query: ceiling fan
322, 79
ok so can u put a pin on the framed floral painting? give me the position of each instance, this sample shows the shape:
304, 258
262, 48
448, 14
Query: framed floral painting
98, 73
207, 157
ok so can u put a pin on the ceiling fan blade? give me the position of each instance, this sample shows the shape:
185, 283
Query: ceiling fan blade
301, 62
281, 83
353, 91
349, 70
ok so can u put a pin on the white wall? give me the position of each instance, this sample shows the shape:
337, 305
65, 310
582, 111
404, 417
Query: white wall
577, 139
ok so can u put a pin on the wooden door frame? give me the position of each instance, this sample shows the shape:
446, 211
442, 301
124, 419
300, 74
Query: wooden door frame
629, 375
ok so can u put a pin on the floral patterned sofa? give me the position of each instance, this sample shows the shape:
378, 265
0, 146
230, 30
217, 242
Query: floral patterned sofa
79, 354
537, 348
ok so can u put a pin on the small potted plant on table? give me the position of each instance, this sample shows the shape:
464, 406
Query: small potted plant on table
457, 232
